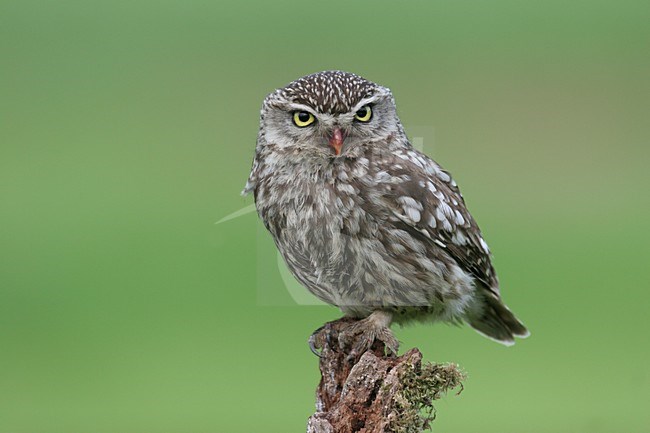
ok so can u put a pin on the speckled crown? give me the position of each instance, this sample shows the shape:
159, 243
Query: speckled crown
331, 92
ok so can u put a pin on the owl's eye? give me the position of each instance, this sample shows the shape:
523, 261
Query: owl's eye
303, 118
364, 114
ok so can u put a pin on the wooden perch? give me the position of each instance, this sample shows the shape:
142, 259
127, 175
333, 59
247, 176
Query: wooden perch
374, 392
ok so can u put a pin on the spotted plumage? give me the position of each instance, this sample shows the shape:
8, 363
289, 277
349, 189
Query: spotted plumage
364, 220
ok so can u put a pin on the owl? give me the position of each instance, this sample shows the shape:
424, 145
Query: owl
364, 220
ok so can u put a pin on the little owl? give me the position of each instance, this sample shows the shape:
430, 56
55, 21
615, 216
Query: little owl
364, 220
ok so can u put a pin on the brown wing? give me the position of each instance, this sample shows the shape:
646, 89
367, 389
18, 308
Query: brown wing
423, 197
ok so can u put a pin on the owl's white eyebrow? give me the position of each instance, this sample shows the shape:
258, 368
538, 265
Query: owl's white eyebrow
301, 107
363, 102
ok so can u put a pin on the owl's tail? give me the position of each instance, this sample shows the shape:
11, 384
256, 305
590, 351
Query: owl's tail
496, 322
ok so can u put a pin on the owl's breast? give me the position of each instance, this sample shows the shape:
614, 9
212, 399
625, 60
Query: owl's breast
311, 217
316, 220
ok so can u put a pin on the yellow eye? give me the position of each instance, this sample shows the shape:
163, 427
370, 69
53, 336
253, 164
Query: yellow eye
303, 118
364, 114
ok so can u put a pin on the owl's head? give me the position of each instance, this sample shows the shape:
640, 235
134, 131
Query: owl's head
329, 114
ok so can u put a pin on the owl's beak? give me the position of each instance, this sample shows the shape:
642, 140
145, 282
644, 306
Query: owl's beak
336, 140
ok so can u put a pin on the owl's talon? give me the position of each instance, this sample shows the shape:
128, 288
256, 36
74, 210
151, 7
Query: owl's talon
314, 344
320, 338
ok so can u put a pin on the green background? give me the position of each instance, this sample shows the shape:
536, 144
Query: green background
127, 130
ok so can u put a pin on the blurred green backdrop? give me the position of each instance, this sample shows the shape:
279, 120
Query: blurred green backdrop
127, 129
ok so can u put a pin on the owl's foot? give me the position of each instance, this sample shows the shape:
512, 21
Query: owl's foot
362, 334
354, 336
327, 336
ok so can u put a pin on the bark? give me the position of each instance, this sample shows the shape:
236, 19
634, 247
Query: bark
374, 392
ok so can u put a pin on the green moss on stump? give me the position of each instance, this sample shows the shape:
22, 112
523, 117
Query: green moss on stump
413, 408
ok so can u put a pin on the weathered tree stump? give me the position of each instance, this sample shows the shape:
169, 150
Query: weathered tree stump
374, 392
